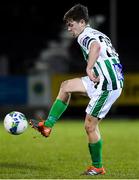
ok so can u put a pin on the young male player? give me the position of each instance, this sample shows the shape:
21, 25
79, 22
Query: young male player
103, 83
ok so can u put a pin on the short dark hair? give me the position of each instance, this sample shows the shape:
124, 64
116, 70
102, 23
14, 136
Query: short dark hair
77, 13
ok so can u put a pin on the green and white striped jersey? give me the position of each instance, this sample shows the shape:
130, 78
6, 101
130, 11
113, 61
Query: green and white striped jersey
107, 66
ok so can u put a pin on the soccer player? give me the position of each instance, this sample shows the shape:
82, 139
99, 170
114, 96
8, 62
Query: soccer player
103, 83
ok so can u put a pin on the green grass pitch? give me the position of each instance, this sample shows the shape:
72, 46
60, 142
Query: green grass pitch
64, 155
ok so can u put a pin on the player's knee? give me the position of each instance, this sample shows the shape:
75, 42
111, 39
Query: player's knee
89, 128
64, 86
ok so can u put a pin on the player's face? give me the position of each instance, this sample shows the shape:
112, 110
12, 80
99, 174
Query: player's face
75, 28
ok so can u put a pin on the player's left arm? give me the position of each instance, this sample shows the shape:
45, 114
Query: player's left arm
93, 56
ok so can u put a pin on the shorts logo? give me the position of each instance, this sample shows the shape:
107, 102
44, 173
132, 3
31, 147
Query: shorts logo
89, 106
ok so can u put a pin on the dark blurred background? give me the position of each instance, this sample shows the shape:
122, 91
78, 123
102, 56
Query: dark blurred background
33, 39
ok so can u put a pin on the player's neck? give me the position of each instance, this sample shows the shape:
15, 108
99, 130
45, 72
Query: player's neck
82, 30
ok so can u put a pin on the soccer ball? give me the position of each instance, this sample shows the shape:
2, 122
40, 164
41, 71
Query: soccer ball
15, 123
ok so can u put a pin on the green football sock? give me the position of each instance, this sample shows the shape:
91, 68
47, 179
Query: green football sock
56, 111
95, 150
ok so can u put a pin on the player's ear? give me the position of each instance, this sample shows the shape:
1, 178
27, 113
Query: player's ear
82, 21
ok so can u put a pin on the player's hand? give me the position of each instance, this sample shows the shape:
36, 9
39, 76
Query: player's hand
92, 75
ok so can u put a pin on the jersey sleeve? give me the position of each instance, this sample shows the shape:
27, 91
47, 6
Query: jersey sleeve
86, 40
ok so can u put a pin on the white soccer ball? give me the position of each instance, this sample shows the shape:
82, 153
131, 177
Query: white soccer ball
15, 123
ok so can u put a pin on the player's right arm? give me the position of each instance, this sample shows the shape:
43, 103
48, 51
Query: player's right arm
92, 58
